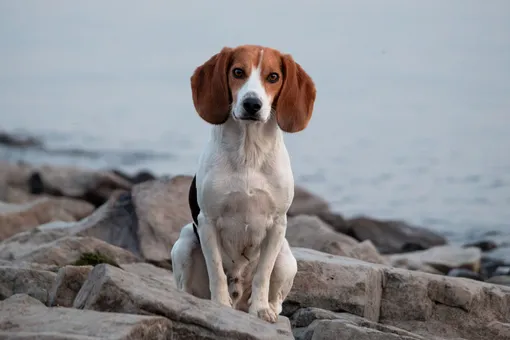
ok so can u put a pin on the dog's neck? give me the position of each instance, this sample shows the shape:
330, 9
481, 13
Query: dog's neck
249, 143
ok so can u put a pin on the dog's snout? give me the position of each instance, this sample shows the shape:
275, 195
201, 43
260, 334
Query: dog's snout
252, 105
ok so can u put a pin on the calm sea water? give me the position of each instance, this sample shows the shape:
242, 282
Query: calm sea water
411, 120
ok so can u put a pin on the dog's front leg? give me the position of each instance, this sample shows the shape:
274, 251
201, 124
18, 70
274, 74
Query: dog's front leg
210, 248
260, 286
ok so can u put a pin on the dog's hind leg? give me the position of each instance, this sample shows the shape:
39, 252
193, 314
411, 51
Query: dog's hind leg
188, 264
282, 278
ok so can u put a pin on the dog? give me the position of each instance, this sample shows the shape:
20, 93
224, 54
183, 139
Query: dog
235, 251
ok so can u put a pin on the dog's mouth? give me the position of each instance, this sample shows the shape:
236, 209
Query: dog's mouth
248, 118
254, 119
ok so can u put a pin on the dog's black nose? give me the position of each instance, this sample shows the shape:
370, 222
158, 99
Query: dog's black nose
252, 105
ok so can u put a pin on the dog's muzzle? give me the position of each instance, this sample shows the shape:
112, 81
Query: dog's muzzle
251, 108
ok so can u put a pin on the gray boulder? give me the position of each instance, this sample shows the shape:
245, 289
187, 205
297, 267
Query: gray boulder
24, 318
111, 289
424, 304
36, 283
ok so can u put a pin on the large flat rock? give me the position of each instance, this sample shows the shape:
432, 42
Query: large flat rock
69, 249
442, 258
111, 289
25, 318
16, 218
425, 304
24, 243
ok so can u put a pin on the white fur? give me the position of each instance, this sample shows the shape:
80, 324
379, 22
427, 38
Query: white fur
245, 186
253, 87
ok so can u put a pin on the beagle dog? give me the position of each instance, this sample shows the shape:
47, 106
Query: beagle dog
235, 251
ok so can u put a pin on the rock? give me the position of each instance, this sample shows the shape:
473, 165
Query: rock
310, 232
36, 283
425, 304
15, 195
366, 251
444, 306
162, 208
149, 271
466, 273
89, 185
147, 222
442, 258
303, 317
500, 280
30, 265
391, 237
140, 177
19, 140
336, 283
25, 318
343, 329
502, 270
67, 250
486, 245
15, 218
489, 265
335, 220
93, 186
115, 290
501, 253
77, 208
307, 203
24, 243
314, 323
15, 175
66, 286
114, 222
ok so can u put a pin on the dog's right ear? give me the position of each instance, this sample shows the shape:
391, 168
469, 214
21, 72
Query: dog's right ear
210, 89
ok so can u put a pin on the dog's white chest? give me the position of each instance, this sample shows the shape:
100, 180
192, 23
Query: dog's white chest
243, 206
245, 211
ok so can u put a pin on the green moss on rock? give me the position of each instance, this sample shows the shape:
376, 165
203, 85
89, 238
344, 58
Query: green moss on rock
92, 259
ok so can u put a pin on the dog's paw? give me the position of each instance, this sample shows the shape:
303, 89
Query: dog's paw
224, 299
265, 313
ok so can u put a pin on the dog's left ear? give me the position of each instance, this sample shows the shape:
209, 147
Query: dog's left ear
210, 89
295, 102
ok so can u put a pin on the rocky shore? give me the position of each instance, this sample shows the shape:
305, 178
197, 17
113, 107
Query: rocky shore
85, 254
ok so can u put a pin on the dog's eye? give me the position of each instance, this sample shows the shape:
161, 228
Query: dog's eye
238, 73
273, 77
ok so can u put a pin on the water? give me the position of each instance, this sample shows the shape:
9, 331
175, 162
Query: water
411, 119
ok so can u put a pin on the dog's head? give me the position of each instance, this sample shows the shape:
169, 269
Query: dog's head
251, 83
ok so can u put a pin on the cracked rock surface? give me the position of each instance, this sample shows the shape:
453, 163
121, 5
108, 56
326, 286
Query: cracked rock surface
417, 302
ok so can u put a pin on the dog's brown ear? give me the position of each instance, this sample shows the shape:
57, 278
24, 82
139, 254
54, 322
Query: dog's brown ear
296, 99
210, 89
